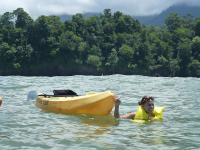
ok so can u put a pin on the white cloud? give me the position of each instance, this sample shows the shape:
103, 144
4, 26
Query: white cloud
36, 8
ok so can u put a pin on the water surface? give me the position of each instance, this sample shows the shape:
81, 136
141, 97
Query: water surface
24, 126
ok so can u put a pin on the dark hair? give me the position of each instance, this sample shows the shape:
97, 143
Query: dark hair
145, 99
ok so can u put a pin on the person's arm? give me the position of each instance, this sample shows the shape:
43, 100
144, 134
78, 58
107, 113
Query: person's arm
0, 101
116, 112
117, 103
129, 116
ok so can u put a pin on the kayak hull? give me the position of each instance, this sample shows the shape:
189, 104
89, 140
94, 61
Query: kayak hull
91, 103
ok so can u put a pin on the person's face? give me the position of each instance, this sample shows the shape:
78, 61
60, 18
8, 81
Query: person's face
148, 106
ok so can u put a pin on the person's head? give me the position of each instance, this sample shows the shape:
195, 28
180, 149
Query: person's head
147, 104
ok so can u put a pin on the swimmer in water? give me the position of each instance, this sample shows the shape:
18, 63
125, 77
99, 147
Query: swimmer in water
147, 103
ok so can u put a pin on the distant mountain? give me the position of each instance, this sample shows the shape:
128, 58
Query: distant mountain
69, 17
156, 20
144, 19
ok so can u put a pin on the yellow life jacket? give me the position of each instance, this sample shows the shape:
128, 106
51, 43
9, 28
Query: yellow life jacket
141, 116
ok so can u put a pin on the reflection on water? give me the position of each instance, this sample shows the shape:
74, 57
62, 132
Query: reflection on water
94, 127
87, 127
95, 120
150, 136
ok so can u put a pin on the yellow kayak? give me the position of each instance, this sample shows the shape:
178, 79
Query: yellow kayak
91, 103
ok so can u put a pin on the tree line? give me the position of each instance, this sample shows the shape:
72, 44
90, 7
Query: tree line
107, 44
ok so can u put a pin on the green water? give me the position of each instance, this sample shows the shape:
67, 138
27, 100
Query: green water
24, 126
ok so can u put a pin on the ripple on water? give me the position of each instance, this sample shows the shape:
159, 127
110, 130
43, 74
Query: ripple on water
24, 126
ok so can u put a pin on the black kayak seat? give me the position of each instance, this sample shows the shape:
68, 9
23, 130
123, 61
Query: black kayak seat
64, 92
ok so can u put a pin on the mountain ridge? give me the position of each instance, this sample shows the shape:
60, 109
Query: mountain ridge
157, 20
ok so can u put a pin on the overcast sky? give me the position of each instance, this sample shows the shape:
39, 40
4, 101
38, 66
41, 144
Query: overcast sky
36, 8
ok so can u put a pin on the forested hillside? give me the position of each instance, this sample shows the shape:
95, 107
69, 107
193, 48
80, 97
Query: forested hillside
157, 19
181, 9
109, 44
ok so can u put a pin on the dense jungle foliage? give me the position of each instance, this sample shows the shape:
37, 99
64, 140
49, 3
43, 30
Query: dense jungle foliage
108, 44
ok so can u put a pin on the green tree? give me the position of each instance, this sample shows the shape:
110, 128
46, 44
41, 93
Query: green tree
144, 35
125, 23
79, 21
6, 20
121, 39
117, 15
112, 60
121, 25
174, 67
197, 28
166, 36
82, 49
184, 55
53, 45
65, 43
144, 57
29, 52
173, 21
11, 59
188, 22
195, 68
196, 47
39, 34
107, 22
176, 38
53, 27
95, 51
94, 60
106, 17
4, 47
93, 25
126, 52
43, 36
70, 25
163, 65
23, 20
68, 46
108, 28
